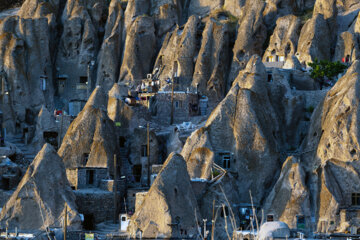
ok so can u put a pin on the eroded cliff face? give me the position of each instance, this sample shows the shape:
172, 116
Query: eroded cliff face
58, 51
25, 58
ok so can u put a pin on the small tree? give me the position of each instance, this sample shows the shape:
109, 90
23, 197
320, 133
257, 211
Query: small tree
324, 69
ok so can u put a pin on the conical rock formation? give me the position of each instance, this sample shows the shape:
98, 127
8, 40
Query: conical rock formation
169, 209
40, 198
92, 133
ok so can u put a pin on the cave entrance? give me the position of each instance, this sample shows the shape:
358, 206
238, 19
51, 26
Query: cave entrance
6, 184
137, 172
51, 138
89, 222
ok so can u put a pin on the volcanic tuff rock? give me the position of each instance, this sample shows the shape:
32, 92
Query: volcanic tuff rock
276, 9
290, 195
39, 9
283, 41
331, 148
92, 133
44, 123
169, 208
200, 162
139, 51
25, 56
243, 124
250, 37
83, 23
178, 51
212, 63
315, 40
110, 52
203, 7
347, 46
235, 7
40, 199
119, 112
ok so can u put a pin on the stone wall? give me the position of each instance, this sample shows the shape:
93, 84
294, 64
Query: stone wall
131, 197
140, 196
78, 177
95, 202
185, 106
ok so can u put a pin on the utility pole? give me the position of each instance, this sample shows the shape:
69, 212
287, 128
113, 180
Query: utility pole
172, 102
115, 189
61, 129
90, 67
148, 154
65, 222
213, 222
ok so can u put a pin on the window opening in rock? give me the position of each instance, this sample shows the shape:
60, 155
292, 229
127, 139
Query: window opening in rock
137, 172
270, 218
90, 175
143, 150
355, 199
89, 222
83, 79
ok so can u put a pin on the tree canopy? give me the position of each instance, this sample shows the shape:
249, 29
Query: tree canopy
326, 69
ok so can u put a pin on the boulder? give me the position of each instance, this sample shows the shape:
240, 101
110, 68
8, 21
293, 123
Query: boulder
93, 134
283, 41
138, 52
251, 36
211, 69
41, 197
110, 53
314, 41
169, 209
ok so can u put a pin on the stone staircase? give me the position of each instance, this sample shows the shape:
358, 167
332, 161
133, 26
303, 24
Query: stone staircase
27, 150
126, 166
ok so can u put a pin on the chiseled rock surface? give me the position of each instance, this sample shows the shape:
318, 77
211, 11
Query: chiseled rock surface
244, 124
139, 51
290, 195
83, 24
251, 36
315, 40
179, 46
200, 162
283, 41
40, 198
169, 208
110, 53
204, 7
93, 133
235, 7
39, 9
211, 69
332, 150
25, 56
347, 46
45, 122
